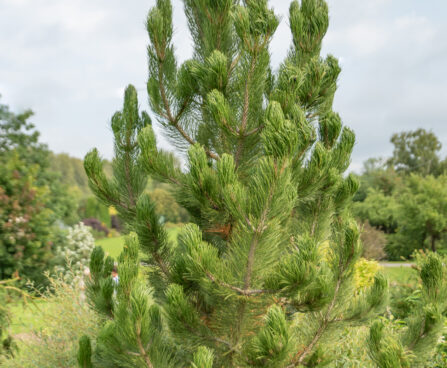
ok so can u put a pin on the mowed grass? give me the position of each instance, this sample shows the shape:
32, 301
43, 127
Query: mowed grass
401, 275
114, 246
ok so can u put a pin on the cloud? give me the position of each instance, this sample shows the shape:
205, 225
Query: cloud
70, 60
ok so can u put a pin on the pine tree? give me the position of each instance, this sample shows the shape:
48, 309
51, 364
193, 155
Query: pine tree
263, 276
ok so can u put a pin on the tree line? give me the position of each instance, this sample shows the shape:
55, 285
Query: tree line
405, 195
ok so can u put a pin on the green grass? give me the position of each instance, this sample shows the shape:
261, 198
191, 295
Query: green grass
400, 275
114, 246
24, 316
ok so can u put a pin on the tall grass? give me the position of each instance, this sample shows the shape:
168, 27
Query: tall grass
47, 332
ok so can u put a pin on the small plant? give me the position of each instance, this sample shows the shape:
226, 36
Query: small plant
98, 227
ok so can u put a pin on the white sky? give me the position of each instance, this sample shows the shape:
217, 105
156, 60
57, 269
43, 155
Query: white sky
69, 60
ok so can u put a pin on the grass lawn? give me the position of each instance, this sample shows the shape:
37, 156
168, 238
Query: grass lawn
114, 246
400, 275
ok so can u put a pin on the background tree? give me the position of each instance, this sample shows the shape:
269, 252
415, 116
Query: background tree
32, 199
391, 200
18, 137
377, 175
167, 206
373, 242
72, 173
413, 217
26, 221
18, 134
379, 210
416, 152
422, 212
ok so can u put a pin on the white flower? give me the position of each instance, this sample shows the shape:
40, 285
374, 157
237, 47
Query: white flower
78, 247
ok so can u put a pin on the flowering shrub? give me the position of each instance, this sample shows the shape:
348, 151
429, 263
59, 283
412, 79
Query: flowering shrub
26, 221
76, 252
96, 225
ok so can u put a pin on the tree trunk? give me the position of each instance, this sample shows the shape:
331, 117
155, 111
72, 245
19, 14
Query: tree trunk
433, 243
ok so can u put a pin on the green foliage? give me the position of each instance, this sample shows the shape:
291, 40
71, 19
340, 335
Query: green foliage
48, 329
18, 138
71, 171
365, 271
398, 195
379, 210
32, 199
126, 168
9, 292
265, 275
26, 232
392, 345
422, 212
417, 152
85, 352
413, 217
90, 207
203, 358
18, 134
167, 206
75, 253
377, 175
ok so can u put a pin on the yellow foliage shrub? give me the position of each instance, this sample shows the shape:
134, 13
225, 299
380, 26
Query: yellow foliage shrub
364, 272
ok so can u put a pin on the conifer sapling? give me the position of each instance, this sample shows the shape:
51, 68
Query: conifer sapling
263, 276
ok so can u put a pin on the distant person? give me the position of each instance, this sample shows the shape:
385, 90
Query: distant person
115, 276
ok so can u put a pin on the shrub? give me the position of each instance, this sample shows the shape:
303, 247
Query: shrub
76, 252
32, 199
374, 242
96, 225
26, 222
364, 273
92, 208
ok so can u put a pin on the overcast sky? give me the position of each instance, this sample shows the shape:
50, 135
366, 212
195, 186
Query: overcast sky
69, 60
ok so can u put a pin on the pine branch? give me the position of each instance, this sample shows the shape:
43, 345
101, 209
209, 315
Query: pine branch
174, 121
245, 292
143, 352
245, 111
251, 257
301, 356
